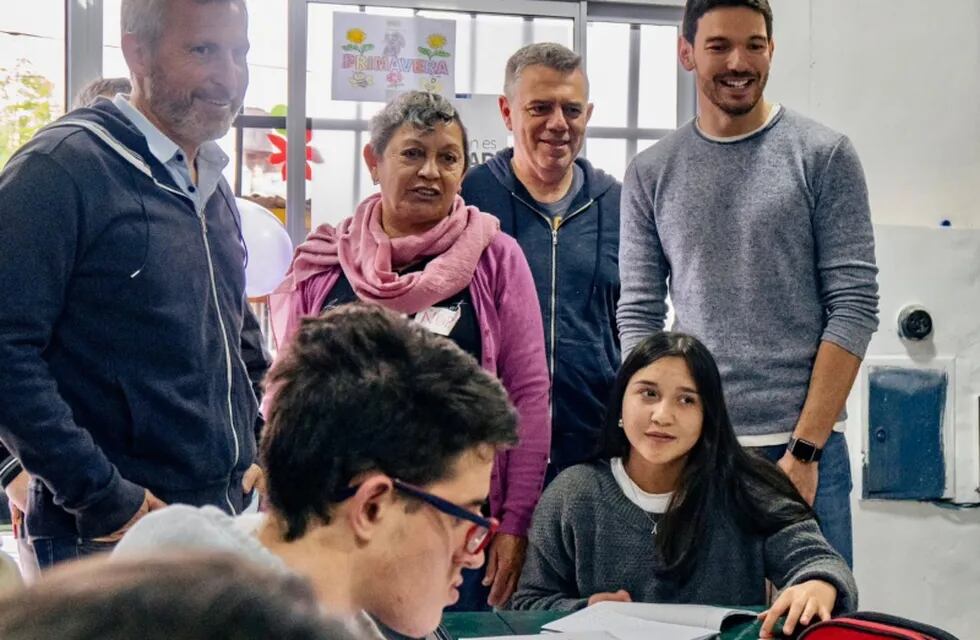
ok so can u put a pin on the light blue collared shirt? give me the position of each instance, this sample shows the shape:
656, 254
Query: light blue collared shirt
211, 160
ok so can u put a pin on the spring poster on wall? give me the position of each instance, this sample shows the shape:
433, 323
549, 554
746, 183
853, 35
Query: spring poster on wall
376, 57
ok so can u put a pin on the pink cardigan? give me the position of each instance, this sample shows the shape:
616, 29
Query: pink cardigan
512, 334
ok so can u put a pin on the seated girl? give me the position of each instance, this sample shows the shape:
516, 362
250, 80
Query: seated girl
676, 511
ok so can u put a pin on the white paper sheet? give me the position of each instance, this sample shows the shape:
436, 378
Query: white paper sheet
625, 627
643, 621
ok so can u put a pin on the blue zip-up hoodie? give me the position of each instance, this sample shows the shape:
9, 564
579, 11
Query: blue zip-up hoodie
581, 258
120, 330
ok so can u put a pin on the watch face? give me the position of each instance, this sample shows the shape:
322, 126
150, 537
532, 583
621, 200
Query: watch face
803, 450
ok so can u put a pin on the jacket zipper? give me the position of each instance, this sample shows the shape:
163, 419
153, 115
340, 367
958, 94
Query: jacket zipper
224, 337
554, 224
133, 158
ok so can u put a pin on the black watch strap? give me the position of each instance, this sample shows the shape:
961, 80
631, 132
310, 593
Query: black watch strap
804, 450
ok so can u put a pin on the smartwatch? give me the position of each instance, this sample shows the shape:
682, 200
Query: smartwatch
804, 450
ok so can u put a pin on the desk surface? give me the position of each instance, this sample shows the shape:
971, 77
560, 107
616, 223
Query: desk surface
510, 623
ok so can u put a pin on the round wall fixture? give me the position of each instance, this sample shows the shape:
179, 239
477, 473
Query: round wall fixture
914, 323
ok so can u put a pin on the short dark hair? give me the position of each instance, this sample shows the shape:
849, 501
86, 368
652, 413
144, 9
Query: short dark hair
191, 596
361, 389
757, 494
101, 88
695, 9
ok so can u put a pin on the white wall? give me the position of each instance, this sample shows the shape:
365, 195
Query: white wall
903, 81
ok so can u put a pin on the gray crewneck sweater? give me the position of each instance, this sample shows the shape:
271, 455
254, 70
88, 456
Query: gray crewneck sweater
766, 245
587, 537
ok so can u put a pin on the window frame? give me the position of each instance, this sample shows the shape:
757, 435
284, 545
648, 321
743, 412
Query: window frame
636, 16
83, 52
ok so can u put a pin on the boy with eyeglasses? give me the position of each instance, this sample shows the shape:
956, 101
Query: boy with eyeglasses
378, 450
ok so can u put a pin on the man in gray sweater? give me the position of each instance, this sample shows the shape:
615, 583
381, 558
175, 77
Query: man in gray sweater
758, 219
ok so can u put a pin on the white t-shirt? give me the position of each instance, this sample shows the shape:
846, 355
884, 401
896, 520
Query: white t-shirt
649, 502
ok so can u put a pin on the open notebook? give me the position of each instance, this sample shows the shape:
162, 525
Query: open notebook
645, 621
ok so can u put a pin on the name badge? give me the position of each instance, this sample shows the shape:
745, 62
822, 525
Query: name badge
440, 320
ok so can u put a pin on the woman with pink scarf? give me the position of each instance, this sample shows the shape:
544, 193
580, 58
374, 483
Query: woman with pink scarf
417, 248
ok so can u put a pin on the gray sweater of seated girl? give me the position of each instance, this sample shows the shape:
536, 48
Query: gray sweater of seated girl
587, 537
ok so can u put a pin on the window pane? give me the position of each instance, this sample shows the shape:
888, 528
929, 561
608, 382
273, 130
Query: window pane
259, 175
497, 37
658, 77
608, 154
332, 189
318, 63
643, 144
558, 30
608, 66
32, 70
267, 57
113, 63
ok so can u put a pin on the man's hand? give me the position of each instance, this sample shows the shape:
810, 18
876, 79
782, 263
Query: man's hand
504, 564
608, 596
800, 603
803, 475
17, 490
150, 503
254, 478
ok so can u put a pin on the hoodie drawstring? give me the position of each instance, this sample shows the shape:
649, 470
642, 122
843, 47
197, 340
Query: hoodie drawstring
598, 255
233, 206
146, 224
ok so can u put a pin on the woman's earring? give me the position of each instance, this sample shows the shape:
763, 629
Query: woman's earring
621, 424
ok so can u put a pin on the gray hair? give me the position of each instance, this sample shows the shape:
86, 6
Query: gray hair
144, 18
422, 110
101, 87
547, 54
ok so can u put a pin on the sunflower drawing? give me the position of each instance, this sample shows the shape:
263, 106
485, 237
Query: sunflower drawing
436, 42
356, 41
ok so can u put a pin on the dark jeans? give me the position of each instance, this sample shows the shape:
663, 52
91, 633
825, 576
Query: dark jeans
833, 501
51, 551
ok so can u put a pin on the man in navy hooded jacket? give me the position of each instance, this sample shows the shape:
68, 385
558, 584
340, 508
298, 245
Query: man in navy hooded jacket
124, 330
565, 215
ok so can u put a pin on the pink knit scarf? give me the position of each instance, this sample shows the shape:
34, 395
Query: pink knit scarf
370, 259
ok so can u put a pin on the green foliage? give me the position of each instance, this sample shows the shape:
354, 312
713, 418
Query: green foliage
280, 110
26, 105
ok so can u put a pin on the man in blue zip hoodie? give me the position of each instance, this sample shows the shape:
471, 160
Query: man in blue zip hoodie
565, 215
124, 329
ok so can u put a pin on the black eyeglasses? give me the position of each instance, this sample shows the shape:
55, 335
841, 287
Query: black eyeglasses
477, 537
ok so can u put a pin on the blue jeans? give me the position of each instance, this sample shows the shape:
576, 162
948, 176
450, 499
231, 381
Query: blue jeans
833, 501
51, 551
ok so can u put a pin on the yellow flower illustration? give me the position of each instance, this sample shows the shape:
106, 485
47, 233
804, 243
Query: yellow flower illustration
436, 41
357, 36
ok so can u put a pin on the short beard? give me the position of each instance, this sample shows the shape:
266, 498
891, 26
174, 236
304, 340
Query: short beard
738, 109
178, 112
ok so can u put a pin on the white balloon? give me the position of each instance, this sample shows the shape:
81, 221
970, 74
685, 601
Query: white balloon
269, 249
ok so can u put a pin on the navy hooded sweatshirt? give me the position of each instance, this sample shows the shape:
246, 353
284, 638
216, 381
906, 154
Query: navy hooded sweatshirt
576, 272
121, 330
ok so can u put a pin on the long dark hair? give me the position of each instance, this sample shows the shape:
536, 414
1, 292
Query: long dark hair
752, 490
